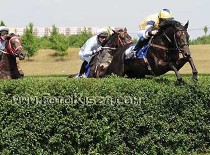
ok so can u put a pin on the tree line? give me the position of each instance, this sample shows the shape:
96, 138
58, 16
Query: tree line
58, 42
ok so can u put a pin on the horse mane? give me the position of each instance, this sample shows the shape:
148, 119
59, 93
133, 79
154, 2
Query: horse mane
170, 23
10, 36
109, 39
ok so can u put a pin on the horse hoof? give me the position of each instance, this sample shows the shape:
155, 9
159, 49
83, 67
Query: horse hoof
180, 82
195, 78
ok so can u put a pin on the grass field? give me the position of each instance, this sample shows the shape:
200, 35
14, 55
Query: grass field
44, 63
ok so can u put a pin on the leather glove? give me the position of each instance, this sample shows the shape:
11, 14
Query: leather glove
94, 51
153, 32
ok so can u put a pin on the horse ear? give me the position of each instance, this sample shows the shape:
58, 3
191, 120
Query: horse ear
186, 25
114, 31
125, 29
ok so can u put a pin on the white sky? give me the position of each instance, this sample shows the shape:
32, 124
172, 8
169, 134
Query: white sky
88, 13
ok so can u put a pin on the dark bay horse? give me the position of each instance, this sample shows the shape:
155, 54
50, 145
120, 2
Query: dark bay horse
101, 60
167, 51
9, 69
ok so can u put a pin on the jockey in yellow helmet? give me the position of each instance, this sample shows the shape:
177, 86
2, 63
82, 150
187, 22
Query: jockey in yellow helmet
149, 26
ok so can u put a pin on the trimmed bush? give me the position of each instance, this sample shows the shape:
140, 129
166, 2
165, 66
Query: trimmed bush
57, 115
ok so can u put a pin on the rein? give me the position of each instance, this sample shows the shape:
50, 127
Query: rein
120, 42
111, 48
4, 52
164, 48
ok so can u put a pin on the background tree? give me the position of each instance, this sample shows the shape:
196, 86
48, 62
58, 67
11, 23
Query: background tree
29, 41
78, 40
59, 42
2, 23
205, 30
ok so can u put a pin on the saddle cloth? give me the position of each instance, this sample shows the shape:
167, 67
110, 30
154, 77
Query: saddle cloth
142, 52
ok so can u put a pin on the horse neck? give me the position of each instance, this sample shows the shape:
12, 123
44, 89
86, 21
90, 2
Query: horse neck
8, 62
111, 43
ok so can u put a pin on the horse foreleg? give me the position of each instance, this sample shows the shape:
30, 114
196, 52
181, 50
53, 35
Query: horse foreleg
194, 70
178, 76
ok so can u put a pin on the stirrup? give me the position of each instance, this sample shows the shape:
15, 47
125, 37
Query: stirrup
135, 51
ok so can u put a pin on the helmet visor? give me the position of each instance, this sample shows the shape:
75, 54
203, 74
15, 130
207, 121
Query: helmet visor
103, 35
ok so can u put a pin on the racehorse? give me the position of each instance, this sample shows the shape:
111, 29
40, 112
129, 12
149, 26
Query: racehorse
9, 69
166, 51
101, 60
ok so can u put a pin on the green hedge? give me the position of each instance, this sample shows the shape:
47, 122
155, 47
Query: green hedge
57, 115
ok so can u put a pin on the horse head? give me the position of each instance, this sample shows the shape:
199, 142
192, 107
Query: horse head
118, 38
182, 39
175, 37
14, 46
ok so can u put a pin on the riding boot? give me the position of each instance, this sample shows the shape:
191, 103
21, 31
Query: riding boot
141, 42
138, 45
83, 69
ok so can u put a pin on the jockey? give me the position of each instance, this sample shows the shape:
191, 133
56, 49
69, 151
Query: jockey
149, 26
3, 35
90, 47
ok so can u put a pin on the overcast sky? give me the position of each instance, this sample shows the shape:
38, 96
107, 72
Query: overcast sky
88, 13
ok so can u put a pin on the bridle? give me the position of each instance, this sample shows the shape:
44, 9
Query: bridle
120, 40
126, 39
177, 47
12, 49
180, 47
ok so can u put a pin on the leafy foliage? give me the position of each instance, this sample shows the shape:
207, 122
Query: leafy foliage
56, 115
29, 41
201, 40
59, 42
2, 23
79, 39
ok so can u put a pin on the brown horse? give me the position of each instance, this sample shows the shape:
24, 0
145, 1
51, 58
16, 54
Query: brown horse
9, 68
101, 60
167, 51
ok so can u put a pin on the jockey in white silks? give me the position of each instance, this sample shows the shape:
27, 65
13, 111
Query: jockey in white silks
90, 47
3, 35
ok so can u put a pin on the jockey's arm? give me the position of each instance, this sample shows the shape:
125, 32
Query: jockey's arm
88, 48
87, 51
